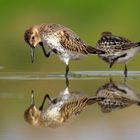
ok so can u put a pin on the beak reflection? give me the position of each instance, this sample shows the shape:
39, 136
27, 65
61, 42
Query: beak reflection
32, 53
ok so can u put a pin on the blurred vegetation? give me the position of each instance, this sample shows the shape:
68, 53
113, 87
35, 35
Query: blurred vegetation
87, 18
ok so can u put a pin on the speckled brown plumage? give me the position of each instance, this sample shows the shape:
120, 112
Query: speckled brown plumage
60, 40
59, 110
112, 44
73, 108
118, 49
116, 96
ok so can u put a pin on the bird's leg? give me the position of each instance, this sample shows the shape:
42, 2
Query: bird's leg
66, 76
112, 61
67, 82
125, 71
111, 64
42, 105
110, 79
44, 51
66, 71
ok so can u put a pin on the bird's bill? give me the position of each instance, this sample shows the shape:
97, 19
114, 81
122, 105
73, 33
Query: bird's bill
32, 98
32, 53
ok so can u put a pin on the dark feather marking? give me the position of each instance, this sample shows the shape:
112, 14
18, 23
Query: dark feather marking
115, 59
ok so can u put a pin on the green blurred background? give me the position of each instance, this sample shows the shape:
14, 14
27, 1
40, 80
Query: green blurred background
87, 18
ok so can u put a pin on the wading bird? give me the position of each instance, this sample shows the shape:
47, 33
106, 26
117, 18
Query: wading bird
60, 40
118, 49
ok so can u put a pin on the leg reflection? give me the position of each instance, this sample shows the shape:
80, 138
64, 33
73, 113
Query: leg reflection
42, 105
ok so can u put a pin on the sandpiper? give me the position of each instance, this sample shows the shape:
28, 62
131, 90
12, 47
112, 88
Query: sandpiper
118, 49
116, 96
66, 106
60, 40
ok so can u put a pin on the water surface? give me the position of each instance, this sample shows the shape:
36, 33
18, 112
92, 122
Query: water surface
91, 123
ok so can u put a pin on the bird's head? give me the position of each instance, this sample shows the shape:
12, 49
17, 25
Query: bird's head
31, 115
32, 37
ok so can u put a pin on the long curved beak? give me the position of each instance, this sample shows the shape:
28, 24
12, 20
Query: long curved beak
32, 53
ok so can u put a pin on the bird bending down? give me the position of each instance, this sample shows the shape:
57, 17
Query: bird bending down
59, 110
60, 40
118, 49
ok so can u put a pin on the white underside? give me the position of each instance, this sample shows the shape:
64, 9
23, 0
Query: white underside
53, 111
130, 54
130, 93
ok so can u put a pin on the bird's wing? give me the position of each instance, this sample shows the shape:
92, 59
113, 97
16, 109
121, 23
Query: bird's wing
67, 38
73, 108
71, 42
116, 43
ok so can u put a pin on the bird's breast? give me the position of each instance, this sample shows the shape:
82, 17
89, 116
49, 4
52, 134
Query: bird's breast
53, 42
54, 109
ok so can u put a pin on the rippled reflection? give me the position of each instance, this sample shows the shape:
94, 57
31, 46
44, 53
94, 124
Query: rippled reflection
116, 96
59, 110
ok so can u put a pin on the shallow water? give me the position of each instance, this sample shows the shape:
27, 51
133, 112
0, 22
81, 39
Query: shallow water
90, 123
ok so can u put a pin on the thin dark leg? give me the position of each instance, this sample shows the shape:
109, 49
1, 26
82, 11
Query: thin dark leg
111, 64
125, 71
42, 105
44, 51
67, 82
66, 75
113, 61
66, 71
110, 79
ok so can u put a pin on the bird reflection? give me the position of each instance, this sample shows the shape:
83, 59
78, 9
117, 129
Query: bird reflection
116, 96
59, 110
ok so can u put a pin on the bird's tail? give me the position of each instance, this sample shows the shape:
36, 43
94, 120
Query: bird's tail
93, 100
138, 43
138, 103
94, 50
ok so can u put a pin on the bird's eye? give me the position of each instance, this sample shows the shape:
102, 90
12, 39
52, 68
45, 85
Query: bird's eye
33, 37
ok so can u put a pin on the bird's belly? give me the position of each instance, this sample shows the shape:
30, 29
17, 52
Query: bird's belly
53, 42
53, 113
67, 55
129, 55
108, 58
124, 59
70, 55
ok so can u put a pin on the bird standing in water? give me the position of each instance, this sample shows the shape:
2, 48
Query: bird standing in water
60, 40
118, 49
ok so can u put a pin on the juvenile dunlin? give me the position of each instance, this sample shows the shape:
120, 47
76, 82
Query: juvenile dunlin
118, 49
60, 40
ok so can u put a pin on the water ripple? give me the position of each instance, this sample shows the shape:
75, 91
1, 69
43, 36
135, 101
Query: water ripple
134, 75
